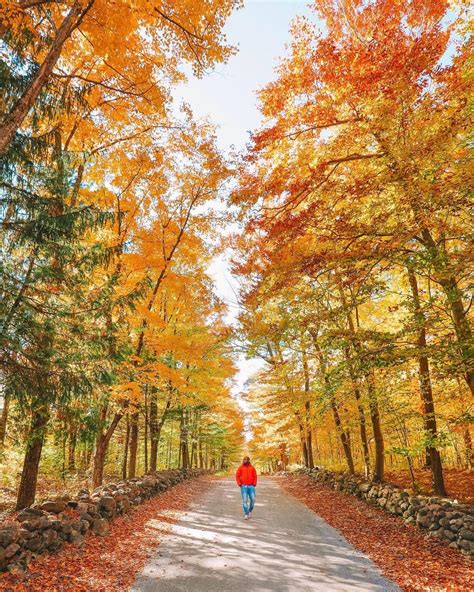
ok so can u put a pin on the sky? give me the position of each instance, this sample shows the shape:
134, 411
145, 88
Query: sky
227, 96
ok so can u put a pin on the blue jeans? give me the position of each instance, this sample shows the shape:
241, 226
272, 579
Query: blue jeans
248, 497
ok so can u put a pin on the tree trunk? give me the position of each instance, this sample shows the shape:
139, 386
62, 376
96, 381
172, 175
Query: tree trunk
376, 428
200, 454
373, 403
155, 431
462, 329
15, 118
361, 411
183, 440
304, 447
468, 445
448, 282
125, 449
29, 475
193, 454
153, 422
429, 415
99, 461
343, 435
309, 442
444, 277
133, 448
145, 431
101, 446
71, 465
3, 421
309, 445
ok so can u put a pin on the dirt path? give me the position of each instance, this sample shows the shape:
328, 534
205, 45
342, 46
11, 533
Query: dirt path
283, 548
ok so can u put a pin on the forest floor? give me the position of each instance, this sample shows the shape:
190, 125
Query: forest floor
459, 484
108, 564
405, 554
48, 487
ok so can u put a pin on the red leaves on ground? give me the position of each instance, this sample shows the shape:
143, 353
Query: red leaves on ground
403, 553
107, 564
459, 484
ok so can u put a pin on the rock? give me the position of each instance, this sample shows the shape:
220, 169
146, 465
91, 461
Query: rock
84, 526
55, 524
75, 524
467, 535
451, 536
31, 525
86, 517
453, 545
125, 505
454, 515
437, 533
100, 527
364, 487
34, 544
3, 559
49, 537
44, 523
29, 514
9, 534
24, 535
11, 550
423, 521
107, 502
45, 527
76, 539
56, 545
16, 570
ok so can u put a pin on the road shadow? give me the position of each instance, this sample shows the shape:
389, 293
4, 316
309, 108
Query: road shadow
283, 548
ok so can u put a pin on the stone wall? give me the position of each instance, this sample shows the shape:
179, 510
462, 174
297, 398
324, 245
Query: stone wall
443, 518
45, 527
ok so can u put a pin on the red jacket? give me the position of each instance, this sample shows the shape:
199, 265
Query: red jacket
246, 475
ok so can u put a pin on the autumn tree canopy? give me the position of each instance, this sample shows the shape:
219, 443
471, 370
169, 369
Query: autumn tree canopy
113, 347
353, 249
357, 253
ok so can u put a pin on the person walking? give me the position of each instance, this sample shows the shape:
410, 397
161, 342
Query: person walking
246, 478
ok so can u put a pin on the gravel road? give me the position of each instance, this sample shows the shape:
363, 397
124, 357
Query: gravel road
284, 547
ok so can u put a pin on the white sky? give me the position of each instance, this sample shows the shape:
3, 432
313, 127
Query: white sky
227, 96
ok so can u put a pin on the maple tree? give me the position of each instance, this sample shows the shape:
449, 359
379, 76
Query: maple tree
107, 232
356, 256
